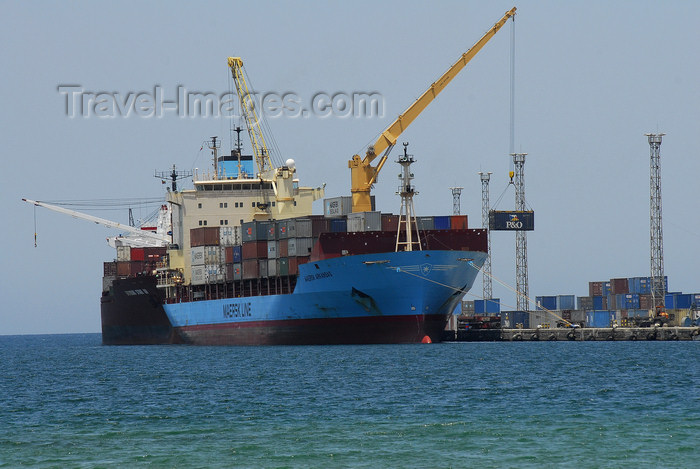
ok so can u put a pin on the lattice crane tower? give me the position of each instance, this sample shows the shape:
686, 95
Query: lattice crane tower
486, 269
521, 280
658, 287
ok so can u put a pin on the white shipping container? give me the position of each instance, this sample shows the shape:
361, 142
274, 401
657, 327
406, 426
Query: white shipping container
230, 235
364, 221
214, 273
272, 267
337, 206
199, 276
272, 249
214, 255
299, 228
299, 246
197, 255
123, 253
107, 283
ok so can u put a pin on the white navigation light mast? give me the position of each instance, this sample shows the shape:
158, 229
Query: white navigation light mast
658, 287
486, 269
407, 216
521, 280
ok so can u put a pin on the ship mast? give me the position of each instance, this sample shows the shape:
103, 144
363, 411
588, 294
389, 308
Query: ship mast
407, 216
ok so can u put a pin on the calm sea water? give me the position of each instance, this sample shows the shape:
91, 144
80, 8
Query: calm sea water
68, 401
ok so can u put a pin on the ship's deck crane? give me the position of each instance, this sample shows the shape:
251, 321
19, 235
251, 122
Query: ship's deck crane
363, 174
257, 138
155, 238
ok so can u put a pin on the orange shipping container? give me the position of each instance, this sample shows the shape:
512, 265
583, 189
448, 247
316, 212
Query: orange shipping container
458, 222
137, 254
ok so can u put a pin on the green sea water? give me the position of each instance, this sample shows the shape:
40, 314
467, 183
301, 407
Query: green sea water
68, 401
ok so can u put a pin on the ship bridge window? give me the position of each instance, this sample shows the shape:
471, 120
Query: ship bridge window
207, 188
236, 187
227, 187
246, 187
217, 187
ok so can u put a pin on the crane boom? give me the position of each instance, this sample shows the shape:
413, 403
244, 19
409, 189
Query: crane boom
101, 221
260, 150
363, 174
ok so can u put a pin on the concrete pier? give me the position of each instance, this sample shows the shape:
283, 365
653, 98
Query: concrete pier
578, 334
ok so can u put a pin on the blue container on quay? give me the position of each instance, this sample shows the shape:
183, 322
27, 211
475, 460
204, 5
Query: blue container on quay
683, 301
627, 301
598, 303
606, 288
599, 318
670, 301
566, 302
637, 313
510, 319
546, 303
487, 306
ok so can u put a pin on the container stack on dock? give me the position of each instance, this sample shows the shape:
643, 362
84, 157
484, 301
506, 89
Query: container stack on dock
618, 302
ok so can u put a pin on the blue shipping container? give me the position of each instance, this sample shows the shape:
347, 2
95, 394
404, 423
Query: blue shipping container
237, 254
441, 223
566, 302
638, 313
642, 285
670, 301
599, 318
598, 303
546, 302
606, 288
627, 301
487, 306
339, 225
683, 301
511, 319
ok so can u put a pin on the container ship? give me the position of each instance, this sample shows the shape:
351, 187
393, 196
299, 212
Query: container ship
238, 272
239, 259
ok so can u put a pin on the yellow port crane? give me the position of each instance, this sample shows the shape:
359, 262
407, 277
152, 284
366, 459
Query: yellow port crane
363, 174
260, 150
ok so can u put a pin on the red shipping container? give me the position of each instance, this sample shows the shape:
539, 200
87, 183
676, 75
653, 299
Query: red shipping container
204, 236
153, 253
229, 255
458, 222
283, 247
110, 269
617, 285
295, 262
254, 250
130, 268
595, 288
137, 254
390, 222
251, 268
319, 224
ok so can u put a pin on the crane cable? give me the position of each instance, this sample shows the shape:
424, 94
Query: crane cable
471, 264
34, 225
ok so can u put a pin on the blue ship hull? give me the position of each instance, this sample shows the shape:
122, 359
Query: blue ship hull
395, 297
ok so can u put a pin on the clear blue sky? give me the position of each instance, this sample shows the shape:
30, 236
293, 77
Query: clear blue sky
591, 79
